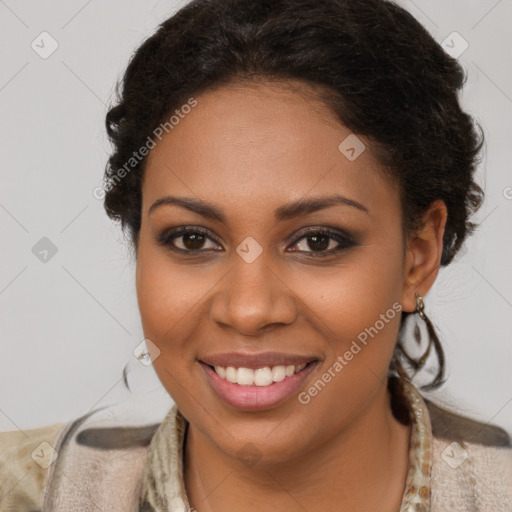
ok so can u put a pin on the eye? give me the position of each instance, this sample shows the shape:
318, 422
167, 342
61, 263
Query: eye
315, 242
187, 239
320, 240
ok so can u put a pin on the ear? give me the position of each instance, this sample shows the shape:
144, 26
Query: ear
423, 254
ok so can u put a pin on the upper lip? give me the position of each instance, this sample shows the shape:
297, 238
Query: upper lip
255, 361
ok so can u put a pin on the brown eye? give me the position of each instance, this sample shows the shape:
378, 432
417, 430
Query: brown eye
318, 243
187, 239
193, 241
323, 243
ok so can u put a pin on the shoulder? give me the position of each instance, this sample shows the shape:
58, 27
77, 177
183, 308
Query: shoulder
25, 457
105, 450
472, 463
451, 426
107, 444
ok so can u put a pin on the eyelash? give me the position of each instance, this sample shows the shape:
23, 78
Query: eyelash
167, 238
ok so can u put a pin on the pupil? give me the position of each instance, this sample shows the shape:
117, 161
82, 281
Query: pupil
316, 245
193, 240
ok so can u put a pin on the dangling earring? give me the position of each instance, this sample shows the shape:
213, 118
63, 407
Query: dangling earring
433, 340
420, 306
420, 309
417, 364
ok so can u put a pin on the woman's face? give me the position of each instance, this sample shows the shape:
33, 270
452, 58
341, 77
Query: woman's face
258, 286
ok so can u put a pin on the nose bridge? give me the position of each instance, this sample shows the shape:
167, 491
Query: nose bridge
252, 295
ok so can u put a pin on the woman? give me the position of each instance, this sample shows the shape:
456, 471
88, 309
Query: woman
292, 175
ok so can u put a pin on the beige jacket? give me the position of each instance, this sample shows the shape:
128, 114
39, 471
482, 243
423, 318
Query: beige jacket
96, 462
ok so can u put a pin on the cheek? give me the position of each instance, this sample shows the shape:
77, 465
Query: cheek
358, 311
357, 308
169, 299
165, 291
349, 298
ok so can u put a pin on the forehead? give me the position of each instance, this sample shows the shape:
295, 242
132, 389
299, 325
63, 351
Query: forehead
263, 144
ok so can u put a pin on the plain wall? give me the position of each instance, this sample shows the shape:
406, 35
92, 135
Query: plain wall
69, 325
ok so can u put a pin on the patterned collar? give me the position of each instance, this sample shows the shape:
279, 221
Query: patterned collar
416, 496
163, 488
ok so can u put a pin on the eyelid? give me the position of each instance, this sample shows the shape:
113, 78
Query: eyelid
340, 236
167, 236
327, 230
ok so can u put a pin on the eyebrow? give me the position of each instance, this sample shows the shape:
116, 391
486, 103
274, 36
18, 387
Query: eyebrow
284, 212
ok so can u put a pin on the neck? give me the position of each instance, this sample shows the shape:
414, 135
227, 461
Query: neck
363, 467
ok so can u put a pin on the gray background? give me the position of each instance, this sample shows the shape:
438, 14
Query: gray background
69, 325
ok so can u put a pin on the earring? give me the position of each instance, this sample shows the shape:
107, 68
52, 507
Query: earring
420, 306
433, 340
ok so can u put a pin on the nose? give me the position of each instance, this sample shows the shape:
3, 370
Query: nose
252, 297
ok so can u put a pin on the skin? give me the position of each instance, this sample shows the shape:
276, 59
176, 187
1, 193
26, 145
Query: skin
249, 149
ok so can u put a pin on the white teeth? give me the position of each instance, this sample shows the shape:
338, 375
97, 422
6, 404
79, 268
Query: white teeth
278, 373
245, 376
231, 374
260, 377
263, 376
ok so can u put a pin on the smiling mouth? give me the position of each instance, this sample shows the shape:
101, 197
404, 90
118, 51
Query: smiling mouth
263, 377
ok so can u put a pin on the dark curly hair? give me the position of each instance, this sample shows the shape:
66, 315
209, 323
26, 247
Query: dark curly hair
369, 61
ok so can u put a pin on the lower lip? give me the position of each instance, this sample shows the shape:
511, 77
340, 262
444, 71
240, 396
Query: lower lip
257, 398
